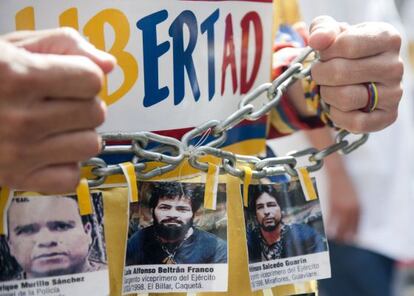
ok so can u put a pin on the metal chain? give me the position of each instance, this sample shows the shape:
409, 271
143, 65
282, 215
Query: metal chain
170, 152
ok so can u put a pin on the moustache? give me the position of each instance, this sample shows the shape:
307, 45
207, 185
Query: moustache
167, 221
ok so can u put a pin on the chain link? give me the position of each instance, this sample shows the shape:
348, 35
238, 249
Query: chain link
170, 152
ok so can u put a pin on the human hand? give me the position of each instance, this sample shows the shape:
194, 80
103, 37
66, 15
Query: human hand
349, 57
48, 108
344, 209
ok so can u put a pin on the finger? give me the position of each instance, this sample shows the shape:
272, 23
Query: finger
386, 68
323, 32
360, 122
64, 41
51, 117
67, 115
363, 40
354, 97
46, 75
60, 149
17, 36
65, 76
65, 148
52, 179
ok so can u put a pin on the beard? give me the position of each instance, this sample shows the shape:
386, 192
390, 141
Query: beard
270, 228
171, 232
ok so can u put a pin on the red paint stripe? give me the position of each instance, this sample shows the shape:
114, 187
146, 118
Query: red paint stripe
179, 133
274, 133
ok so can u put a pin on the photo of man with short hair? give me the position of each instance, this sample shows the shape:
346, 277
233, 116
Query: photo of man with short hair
48, 237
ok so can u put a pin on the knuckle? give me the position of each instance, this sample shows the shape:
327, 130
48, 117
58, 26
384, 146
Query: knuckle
94, 113
395, 39
390, 34
336, 72
98, 113
315, 72
397, 69
19, 82
92, 144
96, 83
13, 84
10, 179
391, 100
68, 33
399, 93
392, 117
329, 73
359, 124
346, 98
70, 180
349, 47
326, 94
20, 121
395, 96
92, 74
12, 152
67, 181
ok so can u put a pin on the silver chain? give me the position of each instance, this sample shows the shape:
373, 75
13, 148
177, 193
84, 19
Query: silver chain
170, 152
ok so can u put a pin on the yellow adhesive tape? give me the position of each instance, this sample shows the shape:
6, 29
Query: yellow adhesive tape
210, 192
307, 184
248, 173
131, 178
267, 292
5, 197
84, 198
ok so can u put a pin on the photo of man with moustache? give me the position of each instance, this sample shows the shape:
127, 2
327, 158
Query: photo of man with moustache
272, 238
47, 236
173, 238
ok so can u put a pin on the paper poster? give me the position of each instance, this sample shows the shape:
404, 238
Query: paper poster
285, 236
49, 249
180, 63
174, 244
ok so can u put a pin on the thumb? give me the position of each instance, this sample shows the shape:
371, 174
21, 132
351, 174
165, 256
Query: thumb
63, 41
323, 32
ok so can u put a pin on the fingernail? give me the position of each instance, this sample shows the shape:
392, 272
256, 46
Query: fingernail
321, 29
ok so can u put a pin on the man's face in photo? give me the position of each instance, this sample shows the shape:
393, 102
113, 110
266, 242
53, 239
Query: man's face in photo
268, 212
173, 217
47, 236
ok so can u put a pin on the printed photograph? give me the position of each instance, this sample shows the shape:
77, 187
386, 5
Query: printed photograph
47, 237
280, 223
169, 225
